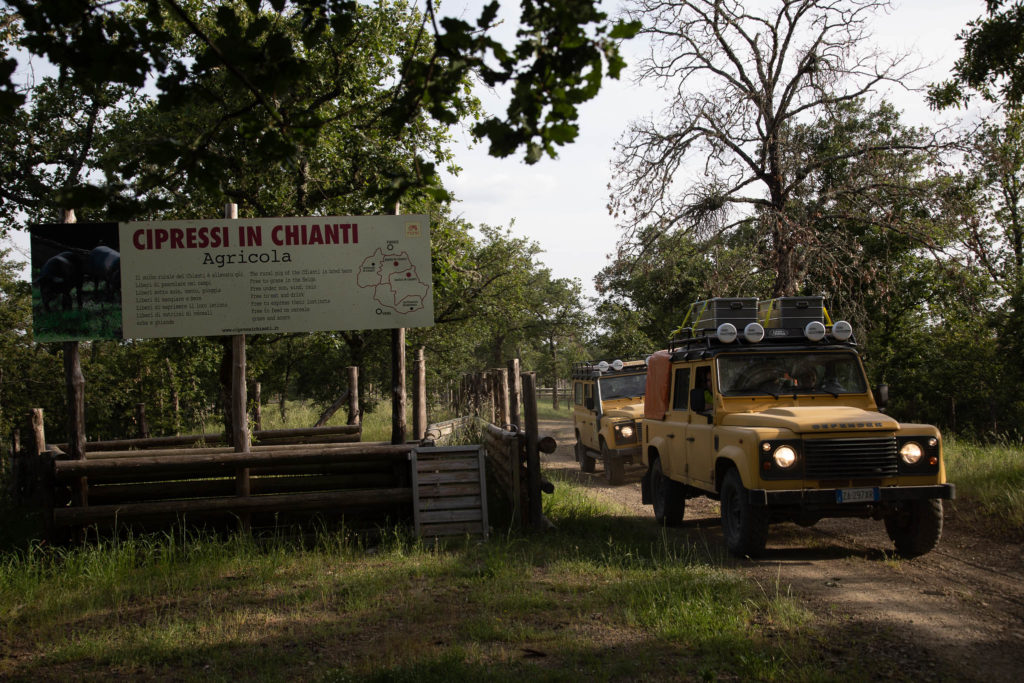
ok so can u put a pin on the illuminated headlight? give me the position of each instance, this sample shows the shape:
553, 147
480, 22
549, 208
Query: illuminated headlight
911, 452
784, 457
626, 432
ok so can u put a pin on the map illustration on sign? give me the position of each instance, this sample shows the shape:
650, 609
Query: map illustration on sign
394, 281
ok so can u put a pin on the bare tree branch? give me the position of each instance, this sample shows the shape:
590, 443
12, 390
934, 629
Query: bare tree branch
742, 82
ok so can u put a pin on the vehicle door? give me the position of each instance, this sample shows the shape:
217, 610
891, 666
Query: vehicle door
699, 437
586, 415
674, 460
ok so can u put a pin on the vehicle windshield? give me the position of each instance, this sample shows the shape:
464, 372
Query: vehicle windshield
790, 373
622, 386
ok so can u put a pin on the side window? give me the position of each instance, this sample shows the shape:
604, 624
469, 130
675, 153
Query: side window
680, 388
577, 388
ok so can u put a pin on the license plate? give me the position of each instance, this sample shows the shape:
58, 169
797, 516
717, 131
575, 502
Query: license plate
857, 495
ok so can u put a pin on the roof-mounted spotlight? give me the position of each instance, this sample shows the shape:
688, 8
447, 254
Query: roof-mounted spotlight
726, 333
814, 331
617, 365
753, 332
842, 330
603, 366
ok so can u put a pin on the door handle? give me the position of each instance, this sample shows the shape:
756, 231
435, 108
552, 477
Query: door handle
671, 436
690, 438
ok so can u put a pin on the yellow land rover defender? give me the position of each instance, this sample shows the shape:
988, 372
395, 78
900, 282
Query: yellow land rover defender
765, 406
608, 402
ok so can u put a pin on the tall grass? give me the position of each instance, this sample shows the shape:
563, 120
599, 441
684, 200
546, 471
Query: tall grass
991, 475
601, 597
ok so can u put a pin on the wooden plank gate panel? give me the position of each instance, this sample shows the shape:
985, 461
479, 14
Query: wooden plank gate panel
449, 487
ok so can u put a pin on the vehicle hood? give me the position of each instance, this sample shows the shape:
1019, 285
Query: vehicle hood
634, 411
814, 419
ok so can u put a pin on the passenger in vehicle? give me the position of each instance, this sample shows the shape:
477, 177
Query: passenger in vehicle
701, 398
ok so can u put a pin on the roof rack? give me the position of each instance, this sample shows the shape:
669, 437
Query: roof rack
748, 322
594, 368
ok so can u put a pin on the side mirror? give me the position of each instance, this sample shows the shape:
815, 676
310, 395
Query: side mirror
882, 395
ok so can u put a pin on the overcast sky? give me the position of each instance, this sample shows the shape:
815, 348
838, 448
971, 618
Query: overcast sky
561, 203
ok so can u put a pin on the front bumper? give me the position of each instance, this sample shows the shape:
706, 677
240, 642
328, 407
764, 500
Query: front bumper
886, 494
629, 452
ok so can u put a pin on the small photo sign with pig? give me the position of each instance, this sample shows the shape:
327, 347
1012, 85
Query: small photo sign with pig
76, 282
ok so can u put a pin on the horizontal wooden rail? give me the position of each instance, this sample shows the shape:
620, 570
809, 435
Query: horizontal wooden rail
340, 431
107, 493
219, 462
232, 505
278, 448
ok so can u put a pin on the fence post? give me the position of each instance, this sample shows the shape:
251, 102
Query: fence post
354, 417
532, 454
28, 464
398, 422
500, 376
515, 398
239, 403
75, 382
419, 391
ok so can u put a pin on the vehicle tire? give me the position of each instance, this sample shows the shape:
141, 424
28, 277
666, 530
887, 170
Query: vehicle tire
614, 466
669, 501
583, 457
916, 528
744, 526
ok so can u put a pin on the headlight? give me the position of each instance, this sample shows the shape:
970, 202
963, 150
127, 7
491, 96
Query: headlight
784, 457
627, 432
911, 452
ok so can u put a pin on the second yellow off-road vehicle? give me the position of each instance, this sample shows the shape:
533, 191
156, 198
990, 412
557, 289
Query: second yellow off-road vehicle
765, 406
608, 402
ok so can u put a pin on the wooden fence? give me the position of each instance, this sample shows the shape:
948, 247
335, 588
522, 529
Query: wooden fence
514, 482
288, 477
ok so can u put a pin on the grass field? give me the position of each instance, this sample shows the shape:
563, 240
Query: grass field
991, 477
602, 597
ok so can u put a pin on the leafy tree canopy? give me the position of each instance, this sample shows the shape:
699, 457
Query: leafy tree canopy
992, 63
261, 50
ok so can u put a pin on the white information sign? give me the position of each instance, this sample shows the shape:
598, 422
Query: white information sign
243, 276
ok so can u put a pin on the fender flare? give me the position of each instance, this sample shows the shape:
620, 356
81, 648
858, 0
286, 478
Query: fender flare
731, 456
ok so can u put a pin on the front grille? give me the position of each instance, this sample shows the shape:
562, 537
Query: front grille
850, 458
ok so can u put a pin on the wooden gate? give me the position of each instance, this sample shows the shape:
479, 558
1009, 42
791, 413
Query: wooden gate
449, 489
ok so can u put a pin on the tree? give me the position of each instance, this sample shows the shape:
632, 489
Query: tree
644, 297
744, 83
53, 146
264, 49
502, 302
992, 239
30, 377
991, 64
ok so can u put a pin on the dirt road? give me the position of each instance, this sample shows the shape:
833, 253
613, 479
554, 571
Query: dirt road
956, 613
